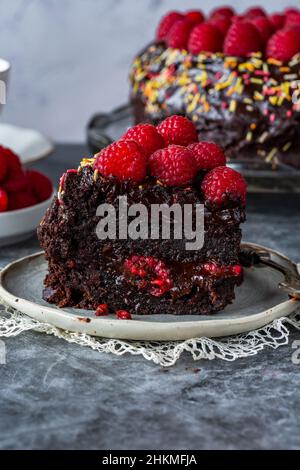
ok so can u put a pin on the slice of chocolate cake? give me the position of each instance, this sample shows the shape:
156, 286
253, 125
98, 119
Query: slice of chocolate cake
148, 167
236, 77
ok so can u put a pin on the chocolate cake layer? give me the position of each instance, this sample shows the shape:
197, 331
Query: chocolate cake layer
250, 106
85, 271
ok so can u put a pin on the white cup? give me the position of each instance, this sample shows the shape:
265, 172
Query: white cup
4, 72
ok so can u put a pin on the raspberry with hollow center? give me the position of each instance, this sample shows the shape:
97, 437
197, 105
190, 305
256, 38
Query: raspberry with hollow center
149, 274
284, 44
226, 12
263, 26
222, 185
124, 159
178, 130
166, 24
255, 12
146, 136
242, 39
173, 166
205, 38
208, 155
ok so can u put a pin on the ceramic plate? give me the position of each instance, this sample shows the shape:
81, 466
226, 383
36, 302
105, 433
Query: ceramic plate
29, 144
258, 302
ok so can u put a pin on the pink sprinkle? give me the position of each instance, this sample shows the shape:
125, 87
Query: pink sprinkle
224, 105
272, 117
289, 113
266, 111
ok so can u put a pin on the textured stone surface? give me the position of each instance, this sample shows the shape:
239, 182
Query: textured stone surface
58, 395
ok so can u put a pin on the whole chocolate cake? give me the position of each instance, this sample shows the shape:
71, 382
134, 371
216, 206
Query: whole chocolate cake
150, 166
237, 77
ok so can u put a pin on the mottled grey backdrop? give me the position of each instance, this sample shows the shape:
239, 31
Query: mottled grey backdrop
70, 58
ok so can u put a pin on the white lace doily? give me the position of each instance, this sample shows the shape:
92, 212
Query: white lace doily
13, 323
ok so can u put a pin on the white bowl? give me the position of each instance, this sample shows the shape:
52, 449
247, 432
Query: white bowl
16, 226
4, 71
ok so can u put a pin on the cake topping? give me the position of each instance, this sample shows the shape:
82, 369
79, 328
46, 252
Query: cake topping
227, 12
174, 165
179, 34
254, 12
222, 185
208, 155
146, 136
277, 20
195, 16
178, 130
124, 159
284, 44
166, 23
205, 37
264, 27
242, 39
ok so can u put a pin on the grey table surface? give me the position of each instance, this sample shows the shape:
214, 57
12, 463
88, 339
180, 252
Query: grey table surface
55, 395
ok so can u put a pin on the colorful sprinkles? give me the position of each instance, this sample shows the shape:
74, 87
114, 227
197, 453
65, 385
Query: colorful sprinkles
164, 77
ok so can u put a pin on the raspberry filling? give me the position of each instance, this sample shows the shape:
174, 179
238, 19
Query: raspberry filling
153, 275
149, 273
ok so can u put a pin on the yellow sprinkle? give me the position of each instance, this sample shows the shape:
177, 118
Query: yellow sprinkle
258, 81
271, 154
194, 103
258, 96
286, 146
253, 126
263, 137
232, 106
273, 61
249, 136
284, 69
248, 101
95, 176
273, 100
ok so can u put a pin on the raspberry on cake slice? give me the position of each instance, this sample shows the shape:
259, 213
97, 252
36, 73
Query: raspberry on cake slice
159, 166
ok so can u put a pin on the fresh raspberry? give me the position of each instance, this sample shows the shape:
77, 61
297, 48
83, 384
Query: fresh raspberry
102, 310
227, 12
15, 183
277, 20
147, 136
263, 26
194, 16
242, 39
14, 166
40, 185
205, 37
293, 20
222, 23
174, 165
222, 185
3, 200
291, 11
148, 273
254, 12
123, 315
208, 155
21, 200
166, 23
178, 130
238, 18
178, 36
124, 159
3, 165
284, 44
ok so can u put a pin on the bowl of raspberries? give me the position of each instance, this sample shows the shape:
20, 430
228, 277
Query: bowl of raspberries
25, 194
